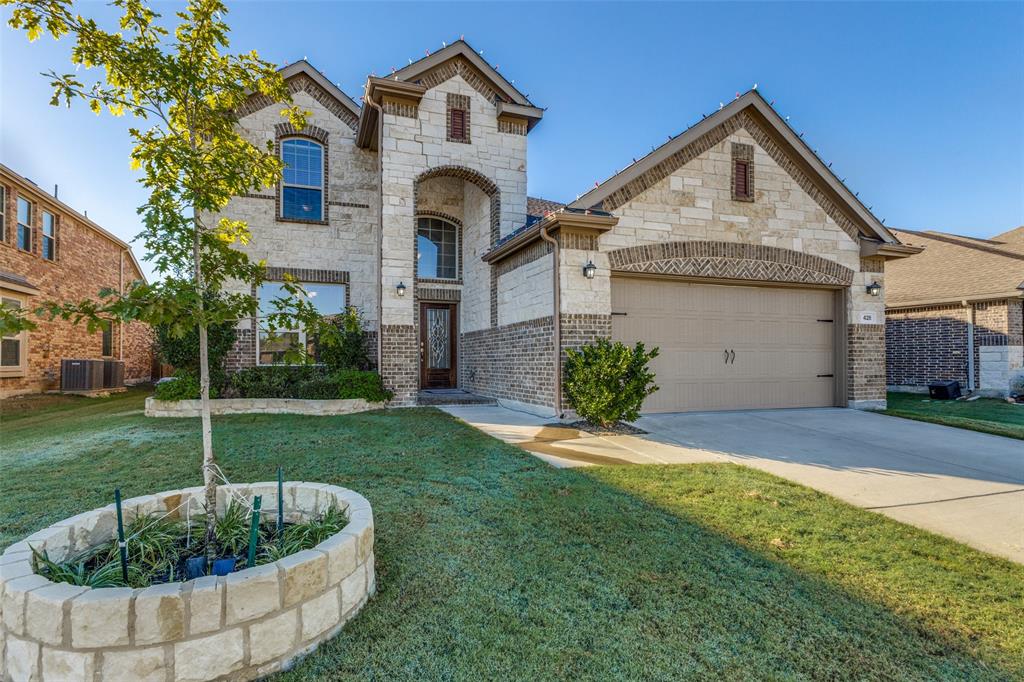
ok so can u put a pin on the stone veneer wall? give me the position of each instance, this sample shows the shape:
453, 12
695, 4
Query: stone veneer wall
191, 408
242, 626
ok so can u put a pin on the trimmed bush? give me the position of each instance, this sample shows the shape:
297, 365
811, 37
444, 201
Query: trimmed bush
308, 382
183, 386
607, 382
348, 350
182, 352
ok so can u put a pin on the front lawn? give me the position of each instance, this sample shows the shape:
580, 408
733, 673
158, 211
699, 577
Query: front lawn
988, 415
492, 565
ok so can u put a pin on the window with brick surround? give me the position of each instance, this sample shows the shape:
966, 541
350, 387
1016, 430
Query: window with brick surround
742, 172
3, 213
329, 299
302, 187
107, 349
458, 118
24, 224
437, 249
13, 348
49, 236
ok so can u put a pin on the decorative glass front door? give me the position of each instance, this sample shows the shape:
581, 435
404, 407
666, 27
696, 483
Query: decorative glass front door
437, 345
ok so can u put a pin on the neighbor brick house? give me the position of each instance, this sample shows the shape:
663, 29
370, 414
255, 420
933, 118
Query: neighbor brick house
956, 312
50, 252
732, 247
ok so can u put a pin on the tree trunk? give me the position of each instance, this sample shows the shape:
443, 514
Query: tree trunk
209, 474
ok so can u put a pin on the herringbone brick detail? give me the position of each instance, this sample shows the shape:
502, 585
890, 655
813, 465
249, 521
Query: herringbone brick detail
727, 260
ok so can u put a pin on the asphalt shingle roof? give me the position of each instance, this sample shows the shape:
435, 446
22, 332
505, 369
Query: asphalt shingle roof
953, 268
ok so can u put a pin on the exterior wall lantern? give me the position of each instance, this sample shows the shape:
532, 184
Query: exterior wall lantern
589, 270
874, 288
400, 288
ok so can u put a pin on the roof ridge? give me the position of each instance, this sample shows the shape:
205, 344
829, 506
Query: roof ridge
960, 240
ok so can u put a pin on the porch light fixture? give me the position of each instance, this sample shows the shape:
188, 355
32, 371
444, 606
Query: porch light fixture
874, 288
589, 270
400, 288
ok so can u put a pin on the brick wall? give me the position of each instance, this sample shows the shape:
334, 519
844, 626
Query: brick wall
512, 362
926, 344
86, 261
400, 362
866, 365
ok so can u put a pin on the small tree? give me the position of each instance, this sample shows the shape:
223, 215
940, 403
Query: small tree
193, 161
607, 382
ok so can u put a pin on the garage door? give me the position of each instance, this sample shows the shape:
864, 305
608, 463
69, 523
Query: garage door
729, 347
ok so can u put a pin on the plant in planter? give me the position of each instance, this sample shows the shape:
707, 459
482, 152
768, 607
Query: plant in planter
193, 160
607, 382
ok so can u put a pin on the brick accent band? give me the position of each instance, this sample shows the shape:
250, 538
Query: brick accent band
309, 275
728, 260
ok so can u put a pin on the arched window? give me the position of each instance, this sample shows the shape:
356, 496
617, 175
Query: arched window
302, 191
437, 249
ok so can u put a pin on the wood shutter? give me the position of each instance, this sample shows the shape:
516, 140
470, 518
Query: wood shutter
741, 178
458, 124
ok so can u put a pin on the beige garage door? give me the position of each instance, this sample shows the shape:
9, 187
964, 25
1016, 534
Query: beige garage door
729, 347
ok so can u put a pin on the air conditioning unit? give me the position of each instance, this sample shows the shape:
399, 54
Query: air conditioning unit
81, 375
113, 374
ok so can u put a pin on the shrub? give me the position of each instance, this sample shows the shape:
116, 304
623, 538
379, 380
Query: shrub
348, 347
308, 382
183, 386
607, 382
182, 352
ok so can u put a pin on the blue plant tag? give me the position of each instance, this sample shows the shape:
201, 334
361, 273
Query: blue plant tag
195, 567
223, 566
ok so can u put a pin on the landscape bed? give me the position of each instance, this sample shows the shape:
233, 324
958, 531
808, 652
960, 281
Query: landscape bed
246, 624
491, 564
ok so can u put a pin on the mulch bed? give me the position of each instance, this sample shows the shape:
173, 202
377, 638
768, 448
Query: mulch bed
617, 429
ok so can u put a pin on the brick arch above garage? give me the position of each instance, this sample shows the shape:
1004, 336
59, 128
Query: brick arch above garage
729, 260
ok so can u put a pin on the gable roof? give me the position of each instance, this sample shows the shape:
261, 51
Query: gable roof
1016, 235
460, 48
301, 76
762, 112
953, 268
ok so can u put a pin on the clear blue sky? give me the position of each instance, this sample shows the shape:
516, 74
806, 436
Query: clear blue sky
918, 105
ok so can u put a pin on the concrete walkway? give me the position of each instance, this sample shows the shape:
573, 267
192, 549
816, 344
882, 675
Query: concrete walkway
965, 485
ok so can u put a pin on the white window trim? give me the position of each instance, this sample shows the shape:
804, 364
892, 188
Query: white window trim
18, 223
52, 237
22, 367
320, 188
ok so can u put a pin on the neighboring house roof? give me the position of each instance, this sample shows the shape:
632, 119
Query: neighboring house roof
953, 268
831, 185
1015, 235
537, 207
460, 48
33, 187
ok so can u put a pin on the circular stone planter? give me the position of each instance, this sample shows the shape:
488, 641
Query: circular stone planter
240, 627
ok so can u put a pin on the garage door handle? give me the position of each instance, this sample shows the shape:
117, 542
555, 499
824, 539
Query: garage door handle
825, 375
725, 359
732, 357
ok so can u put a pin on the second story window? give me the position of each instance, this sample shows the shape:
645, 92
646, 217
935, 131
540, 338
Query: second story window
302, 190
3, 213
49, 236
24, 224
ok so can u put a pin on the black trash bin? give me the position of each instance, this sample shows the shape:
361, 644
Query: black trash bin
944, 390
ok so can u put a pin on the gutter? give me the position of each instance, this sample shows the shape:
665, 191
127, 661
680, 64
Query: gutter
556, 319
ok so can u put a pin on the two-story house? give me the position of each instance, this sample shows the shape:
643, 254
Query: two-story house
732, 247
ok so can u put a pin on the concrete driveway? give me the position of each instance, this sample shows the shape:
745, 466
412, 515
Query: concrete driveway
965, 485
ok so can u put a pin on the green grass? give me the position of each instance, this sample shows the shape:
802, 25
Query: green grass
492, 565
988, 415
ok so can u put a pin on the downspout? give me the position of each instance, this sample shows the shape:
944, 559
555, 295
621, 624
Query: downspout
120, 323
557, 319
380, 230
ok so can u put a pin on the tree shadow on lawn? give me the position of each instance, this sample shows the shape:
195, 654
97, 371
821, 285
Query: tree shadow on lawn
493, 565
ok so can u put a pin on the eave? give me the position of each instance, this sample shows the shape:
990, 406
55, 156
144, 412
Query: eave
956, 300
462, 48
377, 91
566, 219
532, 115
889, 251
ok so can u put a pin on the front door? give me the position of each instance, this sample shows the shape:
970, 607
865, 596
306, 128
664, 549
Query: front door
437, 345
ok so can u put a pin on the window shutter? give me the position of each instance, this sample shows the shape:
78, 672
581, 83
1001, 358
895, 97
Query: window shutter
740, 171
458, 124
